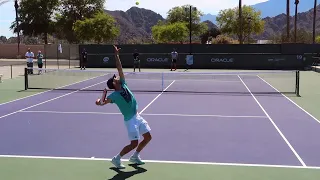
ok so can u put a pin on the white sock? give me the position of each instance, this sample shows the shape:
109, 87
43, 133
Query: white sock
135, 154
118, 156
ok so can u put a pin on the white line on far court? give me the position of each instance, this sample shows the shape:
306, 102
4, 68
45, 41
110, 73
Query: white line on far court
51, 99
145, 114
274, 124
164, 162
156, 98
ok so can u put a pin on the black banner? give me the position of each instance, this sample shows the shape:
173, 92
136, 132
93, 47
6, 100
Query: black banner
207, 61
217, 56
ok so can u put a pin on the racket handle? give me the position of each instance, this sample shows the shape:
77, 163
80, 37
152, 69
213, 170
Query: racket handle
104, 95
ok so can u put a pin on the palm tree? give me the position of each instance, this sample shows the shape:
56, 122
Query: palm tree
314, 21
3, 1
288, 20
240, 21
295, 20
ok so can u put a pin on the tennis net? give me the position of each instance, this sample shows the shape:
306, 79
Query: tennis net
244, 82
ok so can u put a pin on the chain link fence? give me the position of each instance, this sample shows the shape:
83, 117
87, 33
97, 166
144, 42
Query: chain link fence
11, 67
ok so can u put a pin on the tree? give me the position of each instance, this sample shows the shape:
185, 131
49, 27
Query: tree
288, 20
228, 22
302, 37
174, 32
314, 22
3, 2
100, 28
296, 2
209, 35
3, 39
71, 11
182, 14
317, 40
35, 18
222, 39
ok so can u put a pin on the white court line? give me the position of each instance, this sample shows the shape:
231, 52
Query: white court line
203, 115
51, 99
145, 114
291, 100
68, 112
156, 98
50, 90
193, 80
274, 124
164, 162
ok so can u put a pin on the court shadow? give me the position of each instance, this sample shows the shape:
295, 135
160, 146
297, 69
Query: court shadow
125, 175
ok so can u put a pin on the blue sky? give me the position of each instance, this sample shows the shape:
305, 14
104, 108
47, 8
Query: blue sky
7, 12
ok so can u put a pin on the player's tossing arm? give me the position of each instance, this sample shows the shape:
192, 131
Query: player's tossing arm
118, 62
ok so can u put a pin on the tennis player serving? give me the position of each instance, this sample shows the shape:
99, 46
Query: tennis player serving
127, 104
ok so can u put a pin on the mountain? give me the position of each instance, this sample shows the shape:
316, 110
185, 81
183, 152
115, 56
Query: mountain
211, 25
277, 24
208, 17
135, 24
273, 8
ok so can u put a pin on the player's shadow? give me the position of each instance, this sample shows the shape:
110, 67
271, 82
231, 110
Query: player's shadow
125, 175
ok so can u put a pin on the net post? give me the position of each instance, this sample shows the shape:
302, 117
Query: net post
298, 83
25, 78
11, 71
162, 81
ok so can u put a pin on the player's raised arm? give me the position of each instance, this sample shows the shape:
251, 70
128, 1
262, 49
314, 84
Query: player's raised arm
118, 62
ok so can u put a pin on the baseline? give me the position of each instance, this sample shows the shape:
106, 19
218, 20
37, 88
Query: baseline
166, 162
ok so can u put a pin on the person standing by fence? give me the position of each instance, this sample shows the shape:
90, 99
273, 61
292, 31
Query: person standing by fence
29, 56
40, 61
83, 59
174, 58
136, 60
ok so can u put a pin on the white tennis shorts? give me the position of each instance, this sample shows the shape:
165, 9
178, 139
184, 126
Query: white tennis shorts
137, 126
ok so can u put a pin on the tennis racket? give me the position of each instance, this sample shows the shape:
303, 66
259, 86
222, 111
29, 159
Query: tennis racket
104, 95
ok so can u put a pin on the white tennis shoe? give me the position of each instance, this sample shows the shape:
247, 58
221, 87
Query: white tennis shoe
136, 160
117, 162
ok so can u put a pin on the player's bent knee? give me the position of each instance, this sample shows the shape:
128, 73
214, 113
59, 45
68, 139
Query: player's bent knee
134, 143
147, 136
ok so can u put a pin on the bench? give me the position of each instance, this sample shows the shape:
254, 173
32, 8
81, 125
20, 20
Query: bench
1, 78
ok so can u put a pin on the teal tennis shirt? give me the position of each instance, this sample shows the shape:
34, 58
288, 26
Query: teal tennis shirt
125, 101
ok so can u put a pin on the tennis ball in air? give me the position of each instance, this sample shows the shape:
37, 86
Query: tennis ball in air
137, 3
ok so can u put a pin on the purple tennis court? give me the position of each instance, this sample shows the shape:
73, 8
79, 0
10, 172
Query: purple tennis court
235, 118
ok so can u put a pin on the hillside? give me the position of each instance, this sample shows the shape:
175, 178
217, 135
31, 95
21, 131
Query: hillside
272, 8
135, 24
208, 17
278, 23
